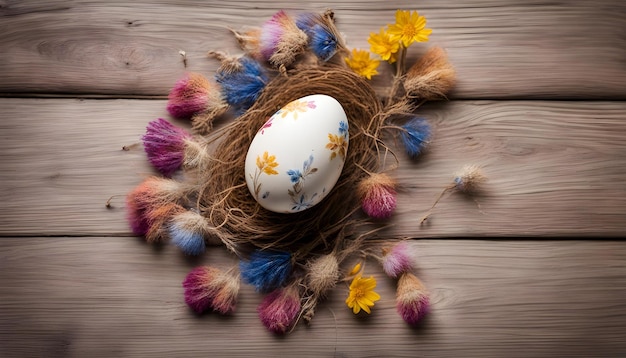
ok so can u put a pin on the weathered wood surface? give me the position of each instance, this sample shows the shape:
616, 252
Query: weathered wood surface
115, 297
555, 168
501, 49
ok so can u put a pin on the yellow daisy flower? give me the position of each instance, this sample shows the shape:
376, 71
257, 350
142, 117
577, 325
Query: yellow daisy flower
383, 45
362, 295
409, 28
361, 63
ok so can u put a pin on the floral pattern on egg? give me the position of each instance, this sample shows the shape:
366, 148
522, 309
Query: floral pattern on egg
264, 165
301, 199
296, 106
309, 138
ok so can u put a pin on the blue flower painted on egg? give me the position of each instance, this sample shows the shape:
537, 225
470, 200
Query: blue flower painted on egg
294, 175
297, 177
343, 128
302, 203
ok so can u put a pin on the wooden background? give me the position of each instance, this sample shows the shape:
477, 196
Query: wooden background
539, 104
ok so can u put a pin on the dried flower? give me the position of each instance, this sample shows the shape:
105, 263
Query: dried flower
266, 270
431, 77
378, 195
361, 63
242, 88
143, 200
323, 274
158, 218
409, 28
469, 179
193, 94
164, 144
412, 302
187, 230
383, 45
195, 155
280, 308
281, 41
225, 299
324, 39
415, 136
207, 288
228, 63
362, 295
397, 260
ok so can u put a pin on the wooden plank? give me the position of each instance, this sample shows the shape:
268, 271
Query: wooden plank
106, 297
554, 168
502, 49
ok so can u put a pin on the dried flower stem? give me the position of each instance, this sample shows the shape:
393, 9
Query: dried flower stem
127, 148
183, 54
108, 202
443, 192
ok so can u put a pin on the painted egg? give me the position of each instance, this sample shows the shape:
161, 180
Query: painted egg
297, 156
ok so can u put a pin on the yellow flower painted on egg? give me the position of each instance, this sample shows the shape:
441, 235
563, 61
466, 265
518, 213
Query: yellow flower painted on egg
267, 163
296, 107
337, 145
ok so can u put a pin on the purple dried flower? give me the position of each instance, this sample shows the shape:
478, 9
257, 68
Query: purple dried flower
165, 145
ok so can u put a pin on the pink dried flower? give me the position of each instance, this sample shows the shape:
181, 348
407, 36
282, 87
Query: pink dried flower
280, 308
164, 144
207, 288
193, 94
199, 290
378, 195
281, 41
412, 300
397, 260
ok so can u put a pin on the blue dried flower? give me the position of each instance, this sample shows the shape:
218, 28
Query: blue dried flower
266, 270
322, 41
415, 136
242, 88
189, 242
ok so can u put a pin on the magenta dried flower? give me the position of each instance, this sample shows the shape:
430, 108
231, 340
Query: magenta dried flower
412, 302
280, 308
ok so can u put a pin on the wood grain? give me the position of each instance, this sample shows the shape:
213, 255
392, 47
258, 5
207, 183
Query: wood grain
501, 49
116, 297
75, 283
554, 168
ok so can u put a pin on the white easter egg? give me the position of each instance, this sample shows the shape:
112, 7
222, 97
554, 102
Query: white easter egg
297, 156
